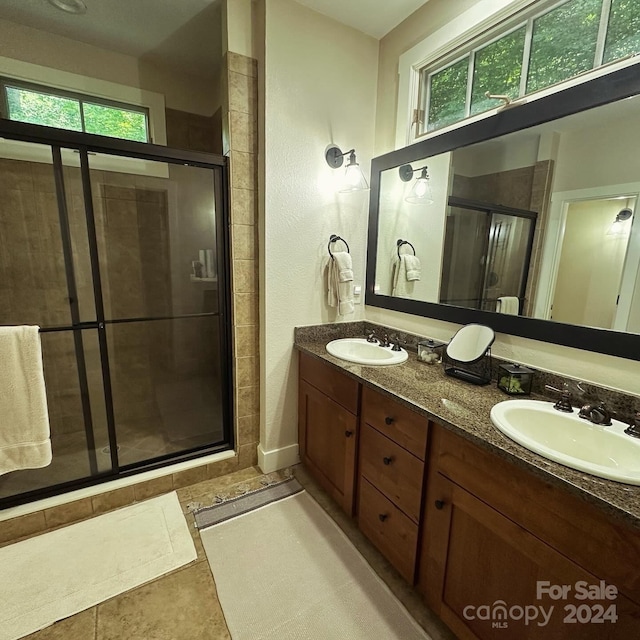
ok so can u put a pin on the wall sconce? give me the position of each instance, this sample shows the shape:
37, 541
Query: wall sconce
353, 179
618, 228
421, 191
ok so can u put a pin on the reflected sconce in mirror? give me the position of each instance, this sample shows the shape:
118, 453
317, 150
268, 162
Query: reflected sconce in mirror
353, 179
421, 190
618, 228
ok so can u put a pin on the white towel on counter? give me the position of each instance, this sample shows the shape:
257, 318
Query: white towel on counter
340, 283
401, 281
509, 305
24, 418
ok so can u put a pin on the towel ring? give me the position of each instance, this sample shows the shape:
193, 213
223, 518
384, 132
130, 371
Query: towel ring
401, 242
335, 238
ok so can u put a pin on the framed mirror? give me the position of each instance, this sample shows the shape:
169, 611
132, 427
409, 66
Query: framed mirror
526, 221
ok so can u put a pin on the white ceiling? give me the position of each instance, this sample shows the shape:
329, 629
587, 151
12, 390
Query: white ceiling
183, 34
374, 17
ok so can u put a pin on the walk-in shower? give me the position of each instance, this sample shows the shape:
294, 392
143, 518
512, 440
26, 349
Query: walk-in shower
119, 252
487, 251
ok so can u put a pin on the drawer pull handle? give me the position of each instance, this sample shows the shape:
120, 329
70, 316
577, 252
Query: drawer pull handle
439, 504
388, 420
387, 460
383, 516
348, 434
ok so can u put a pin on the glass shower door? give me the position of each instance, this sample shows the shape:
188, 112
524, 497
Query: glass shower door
159, 261
43, 249
487, 250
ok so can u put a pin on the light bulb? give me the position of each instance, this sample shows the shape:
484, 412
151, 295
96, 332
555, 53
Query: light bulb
421, 188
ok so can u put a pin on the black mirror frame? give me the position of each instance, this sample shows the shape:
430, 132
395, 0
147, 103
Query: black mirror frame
620, 84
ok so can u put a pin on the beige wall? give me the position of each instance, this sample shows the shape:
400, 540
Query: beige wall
320, 88
433, 15
181, 91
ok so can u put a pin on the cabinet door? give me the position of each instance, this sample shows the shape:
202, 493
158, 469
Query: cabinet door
480, 570
328, 443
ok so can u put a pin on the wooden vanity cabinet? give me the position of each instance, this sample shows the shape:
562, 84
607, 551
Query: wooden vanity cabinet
393, 444
493, 530
328, 403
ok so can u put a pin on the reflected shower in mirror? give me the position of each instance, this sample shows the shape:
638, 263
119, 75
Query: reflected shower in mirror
539, 223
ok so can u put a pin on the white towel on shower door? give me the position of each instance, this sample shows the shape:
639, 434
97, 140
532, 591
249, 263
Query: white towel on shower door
509, 305
24, 418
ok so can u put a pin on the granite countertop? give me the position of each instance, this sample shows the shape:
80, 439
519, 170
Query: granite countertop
465, 409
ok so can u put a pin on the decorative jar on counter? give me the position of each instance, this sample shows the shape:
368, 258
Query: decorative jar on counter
430, 351
515, 379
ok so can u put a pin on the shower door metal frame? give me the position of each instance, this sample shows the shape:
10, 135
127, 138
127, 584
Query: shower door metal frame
489, 209
57, 139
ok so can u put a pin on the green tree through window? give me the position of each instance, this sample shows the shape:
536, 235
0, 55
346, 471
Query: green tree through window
497, 69
25, 104
560, 43
623, 35
564, 43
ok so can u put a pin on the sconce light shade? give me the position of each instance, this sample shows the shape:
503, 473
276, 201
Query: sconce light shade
353, 179
421, 190
618, 228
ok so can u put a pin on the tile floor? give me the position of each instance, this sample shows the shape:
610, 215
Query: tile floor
183, 604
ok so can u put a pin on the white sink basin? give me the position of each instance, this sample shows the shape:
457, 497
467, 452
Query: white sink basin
360, 351
606, 452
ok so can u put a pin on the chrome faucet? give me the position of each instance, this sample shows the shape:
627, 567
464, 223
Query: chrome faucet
596, 413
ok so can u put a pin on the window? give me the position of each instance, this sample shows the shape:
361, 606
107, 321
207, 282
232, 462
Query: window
35, 104
549, 47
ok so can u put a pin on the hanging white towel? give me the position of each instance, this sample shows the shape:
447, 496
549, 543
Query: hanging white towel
24, 418
413, 267
340, 285
401, 283
509, 305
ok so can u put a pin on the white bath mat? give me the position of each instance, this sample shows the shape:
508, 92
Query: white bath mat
54, 575
286, 570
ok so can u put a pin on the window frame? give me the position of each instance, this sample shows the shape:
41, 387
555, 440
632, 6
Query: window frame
81, 98
484, 22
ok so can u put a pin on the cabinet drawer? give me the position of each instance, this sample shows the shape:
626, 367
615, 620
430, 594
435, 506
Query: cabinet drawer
340, 388
395, 535
402, 425
393, 471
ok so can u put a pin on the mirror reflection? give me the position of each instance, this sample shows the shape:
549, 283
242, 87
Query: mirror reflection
539, 223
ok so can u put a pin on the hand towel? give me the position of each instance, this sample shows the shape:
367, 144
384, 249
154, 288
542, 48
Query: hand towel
340, 283
24, 418
413, 267
344, 266
509, 305
400, 283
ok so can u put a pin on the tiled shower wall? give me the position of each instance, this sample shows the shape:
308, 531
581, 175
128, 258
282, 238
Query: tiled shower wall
239, 134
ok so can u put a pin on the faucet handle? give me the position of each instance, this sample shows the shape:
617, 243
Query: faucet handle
597, 413
564, 404
385, 340
371, 337
634, 429
396, 342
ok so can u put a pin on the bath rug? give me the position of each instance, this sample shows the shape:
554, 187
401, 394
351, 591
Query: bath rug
248, 502
57, 574
286, 570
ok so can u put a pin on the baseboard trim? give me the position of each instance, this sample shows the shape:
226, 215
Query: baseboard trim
277, 459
